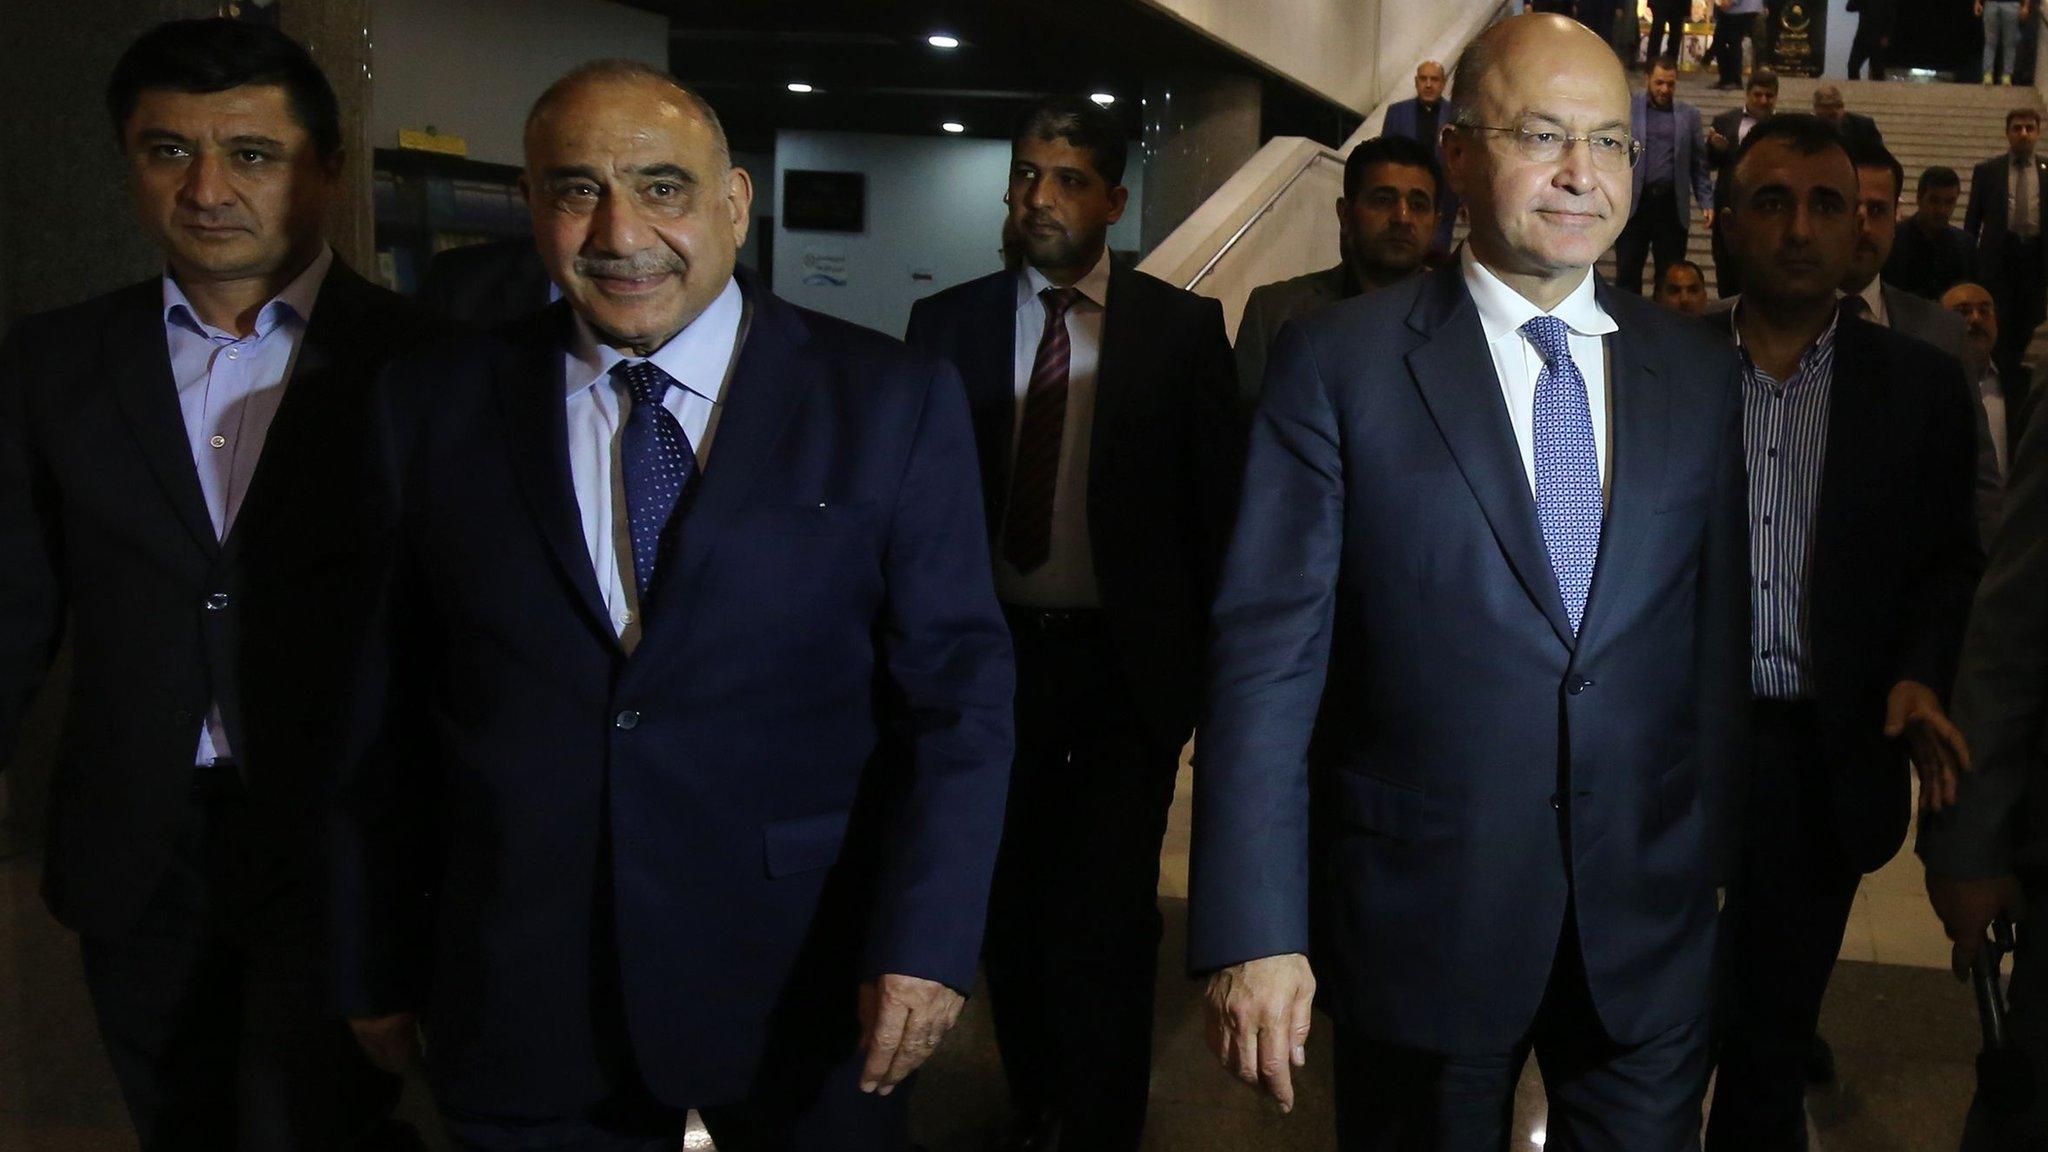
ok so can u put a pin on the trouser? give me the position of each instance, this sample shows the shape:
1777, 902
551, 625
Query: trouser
214, 1007
1074, 925
1784, 920
1730, 30
2018, 290
2024, 1129
1603, 1096
1667, 31
840, 1118
2001, 28
1655, 227
1868, 46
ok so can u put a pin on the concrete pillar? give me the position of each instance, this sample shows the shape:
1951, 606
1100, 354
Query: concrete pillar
1200, 128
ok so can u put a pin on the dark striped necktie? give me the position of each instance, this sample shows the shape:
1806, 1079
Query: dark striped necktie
1034, 472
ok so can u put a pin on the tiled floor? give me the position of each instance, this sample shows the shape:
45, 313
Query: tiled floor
1904, 1036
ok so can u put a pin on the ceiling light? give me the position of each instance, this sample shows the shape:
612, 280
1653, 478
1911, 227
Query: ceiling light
1103, 98
942, 40
799, 86
954, 126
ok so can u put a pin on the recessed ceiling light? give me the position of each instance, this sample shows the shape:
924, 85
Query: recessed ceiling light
954, 126
942, 40
799, 86
1103, 98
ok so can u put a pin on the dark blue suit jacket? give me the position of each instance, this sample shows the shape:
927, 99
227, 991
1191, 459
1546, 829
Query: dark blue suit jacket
1389, 592
684, 861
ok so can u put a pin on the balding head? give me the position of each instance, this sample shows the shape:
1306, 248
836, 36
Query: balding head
617, 71
1429, 81
1542, 208
1973, 303
1828, 104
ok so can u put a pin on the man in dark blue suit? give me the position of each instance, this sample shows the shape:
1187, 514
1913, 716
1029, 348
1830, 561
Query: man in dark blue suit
684, 763
1106, 413
1488, 605
1422, 120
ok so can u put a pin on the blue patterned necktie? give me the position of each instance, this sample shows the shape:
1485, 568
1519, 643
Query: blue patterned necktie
1568, 501
657, 462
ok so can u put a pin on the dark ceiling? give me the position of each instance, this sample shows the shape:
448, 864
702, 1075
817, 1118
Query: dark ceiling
874, 72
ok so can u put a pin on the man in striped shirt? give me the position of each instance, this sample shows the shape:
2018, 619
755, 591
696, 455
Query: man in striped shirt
1861, 452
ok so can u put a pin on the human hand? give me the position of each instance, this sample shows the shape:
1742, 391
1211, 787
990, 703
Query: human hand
1716, 141
1938, 749
1259, 1020
1979, 9
902, 1020
1967, 906
391, 1042
1709, 213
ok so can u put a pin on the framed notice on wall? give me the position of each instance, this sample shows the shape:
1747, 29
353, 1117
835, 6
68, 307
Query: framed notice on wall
825, 201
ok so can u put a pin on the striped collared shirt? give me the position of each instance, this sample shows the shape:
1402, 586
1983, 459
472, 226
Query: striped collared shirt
1785, 439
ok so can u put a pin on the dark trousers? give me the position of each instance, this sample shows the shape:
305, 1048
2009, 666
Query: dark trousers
1867, 46
1667, 31
1074, 926
1604, 1096
1730, 30
1655, 227
841, 1118
214, 1008
2018, 289
1783, 927
2025, 1128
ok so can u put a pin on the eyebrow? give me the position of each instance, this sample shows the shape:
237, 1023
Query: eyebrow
586, 172
1563, 122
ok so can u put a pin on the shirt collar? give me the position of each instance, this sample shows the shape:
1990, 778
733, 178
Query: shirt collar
1503, 311
695, 358
1094, 286
1822, 344
1873, 295
295, 302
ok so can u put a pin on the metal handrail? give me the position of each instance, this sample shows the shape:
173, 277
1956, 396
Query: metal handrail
1320, 155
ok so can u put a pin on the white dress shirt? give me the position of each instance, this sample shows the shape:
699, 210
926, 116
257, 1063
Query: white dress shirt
1502, 312
1067, 578
1873, 295
229, 390
1992, 396
699, 359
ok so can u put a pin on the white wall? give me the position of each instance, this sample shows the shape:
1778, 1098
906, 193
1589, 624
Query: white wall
934, 208
471, 68
1330, 46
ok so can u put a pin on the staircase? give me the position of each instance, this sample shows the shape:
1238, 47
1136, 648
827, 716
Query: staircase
1957, 125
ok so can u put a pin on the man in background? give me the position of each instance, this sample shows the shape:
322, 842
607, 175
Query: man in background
1682, 287
1856, 128
1930, 254
1384, 223
1727, 132
1673, 172
2000, 388
1423, 119
2004, 218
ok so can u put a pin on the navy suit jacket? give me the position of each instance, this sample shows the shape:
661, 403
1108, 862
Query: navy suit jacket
1985, 219
1168, 445
1692, 170
680, 862
1389, 592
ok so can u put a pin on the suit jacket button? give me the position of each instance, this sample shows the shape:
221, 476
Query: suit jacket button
1557, 801
626, 721
1577, 684
216, 602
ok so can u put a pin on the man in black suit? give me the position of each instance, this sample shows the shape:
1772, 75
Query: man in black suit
1105, 409
485, 285
1861, 454
1858, 130
1392, 190
682, 763
1932, 255
2004, 218
1873, 38
1476, 706
1724, 135
175, 479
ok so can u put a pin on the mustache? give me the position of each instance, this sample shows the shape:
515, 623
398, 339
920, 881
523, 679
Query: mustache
628, 267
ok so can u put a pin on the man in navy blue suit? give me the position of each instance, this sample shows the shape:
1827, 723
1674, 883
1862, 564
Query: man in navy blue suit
1488, 604
683, 764
1422, 120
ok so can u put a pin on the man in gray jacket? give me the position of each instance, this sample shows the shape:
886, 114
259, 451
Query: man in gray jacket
1393, 192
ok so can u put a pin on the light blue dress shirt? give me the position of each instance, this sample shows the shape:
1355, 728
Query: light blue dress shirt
229, 389
699, 359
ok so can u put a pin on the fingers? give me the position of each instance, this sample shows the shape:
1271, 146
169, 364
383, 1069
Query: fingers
1298, 1034
882, 1041
926, 1026
1276, 1046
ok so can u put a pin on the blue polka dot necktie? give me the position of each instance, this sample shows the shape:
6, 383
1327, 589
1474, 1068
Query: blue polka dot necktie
657, 462
1568, 502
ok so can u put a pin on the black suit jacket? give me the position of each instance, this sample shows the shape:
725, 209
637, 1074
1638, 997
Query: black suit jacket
485, 285
1168, 443
1895, 563
1985, 218
102, 523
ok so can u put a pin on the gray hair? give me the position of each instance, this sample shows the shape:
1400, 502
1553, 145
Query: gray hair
621, 70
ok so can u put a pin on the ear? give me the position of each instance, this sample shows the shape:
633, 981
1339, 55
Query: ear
739, 192
1119, 198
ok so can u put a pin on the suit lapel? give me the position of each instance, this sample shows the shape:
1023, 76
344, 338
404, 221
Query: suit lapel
1853, 451
992, 384
1123, 323
147, 393
1639, 421
1454, 372
530, 392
